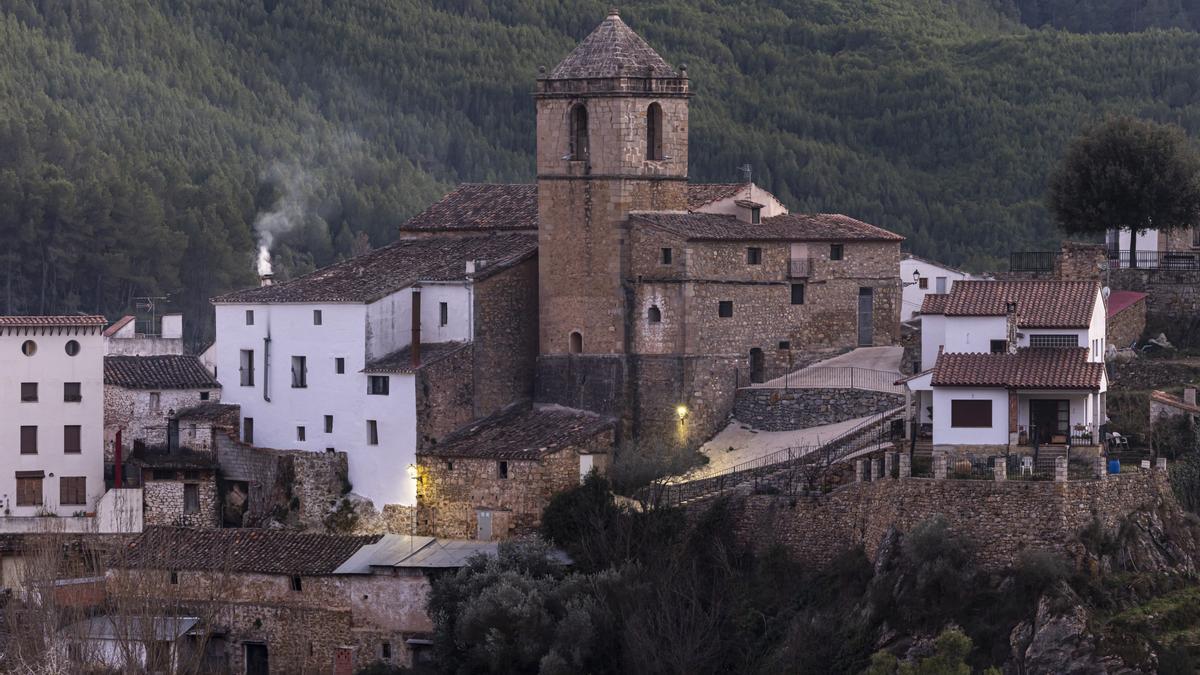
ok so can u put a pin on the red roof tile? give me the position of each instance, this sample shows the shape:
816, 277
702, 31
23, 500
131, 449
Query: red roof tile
1040, 304
934, 303
1029, 368
117, 325
260, 551
158, 372
1167, 399
786, 227
39, 321
524, 432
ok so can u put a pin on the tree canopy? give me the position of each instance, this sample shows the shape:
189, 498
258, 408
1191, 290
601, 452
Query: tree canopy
1127, 173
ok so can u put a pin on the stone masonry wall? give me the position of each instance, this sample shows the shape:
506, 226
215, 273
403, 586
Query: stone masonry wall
130, 411
1001, 518
1171, 294
163, 503
506, 337
445, 395
1127, 326
788, 409
283, 484
452, 490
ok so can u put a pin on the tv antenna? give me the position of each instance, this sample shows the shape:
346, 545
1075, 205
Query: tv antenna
149, 304
746, 173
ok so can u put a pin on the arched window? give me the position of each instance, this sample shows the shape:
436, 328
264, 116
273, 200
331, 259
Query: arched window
579, 132
576, 342
654, 314
654, 132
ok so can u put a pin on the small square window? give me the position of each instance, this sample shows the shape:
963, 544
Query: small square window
317, 318
29, 392
923, 283
502, 469
299, 433
378, 385
725, 309
754, 255
204, 396
339, 365
835, 251
797, 294
329, 424
72, 392
297, 584
785, 344
999, 346
665, 256
249, 317
443, 313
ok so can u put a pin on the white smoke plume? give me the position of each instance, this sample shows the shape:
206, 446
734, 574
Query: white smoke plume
298, 188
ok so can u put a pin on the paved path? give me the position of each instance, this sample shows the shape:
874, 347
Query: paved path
749, 444
885, 359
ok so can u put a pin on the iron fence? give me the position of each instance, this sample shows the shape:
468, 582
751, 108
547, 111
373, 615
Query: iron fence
1024, 467
1153, 260
971, 467
922, 466
1033, 261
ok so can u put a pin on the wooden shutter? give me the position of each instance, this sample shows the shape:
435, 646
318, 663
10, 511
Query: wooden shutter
29, 489
72, 490
72, 442
971, 414
28, 440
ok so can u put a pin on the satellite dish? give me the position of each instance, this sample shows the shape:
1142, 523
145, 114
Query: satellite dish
1106, 291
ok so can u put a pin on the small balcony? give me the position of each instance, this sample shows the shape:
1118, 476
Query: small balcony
799, 268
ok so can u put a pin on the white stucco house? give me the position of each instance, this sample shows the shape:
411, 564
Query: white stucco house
381, 352
1014, 363
923, 277
51, 415
1154, 249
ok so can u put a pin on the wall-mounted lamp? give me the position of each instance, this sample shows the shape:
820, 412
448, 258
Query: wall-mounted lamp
682, 412
412, 472
916, 278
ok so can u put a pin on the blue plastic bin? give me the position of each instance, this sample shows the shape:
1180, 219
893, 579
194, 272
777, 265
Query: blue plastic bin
1114, 466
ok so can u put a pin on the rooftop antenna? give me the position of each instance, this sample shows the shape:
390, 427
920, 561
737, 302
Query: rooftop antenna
746, 172
146, 303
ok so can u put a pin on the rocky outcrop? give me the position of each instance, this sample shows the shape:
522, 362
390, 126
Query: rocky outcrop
1059, 640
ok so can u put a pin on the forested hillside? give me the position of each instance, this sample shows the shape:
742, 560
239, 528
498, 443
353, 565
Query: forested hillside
139, 140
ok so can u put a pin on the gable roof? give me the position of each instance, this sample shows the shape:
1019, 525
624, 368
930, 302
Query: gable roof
118, 325
400, 361
703, 194
158, 372
1174, 401
480, 206
612, 50
213, 412
521, 431
1040, 304
379, 273
785, 227
239, 550
934, 303
1029, 368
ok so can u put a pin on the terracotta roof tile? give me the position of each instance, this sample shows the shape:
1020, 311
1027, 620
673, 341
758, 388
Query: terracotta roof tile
400, 361
482, 207
39, 321
1040, 304
398, 265
1119, 300
1173, 401
934, 303
1029, 368
212, 411
158, 372
521, 431
612, 50
786, 227
240, 550
703, 194
117, 325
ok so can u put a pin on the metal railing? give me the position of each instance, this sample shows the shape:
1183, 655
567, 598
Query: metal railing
872, 430
1154, 260
799, 268
841, 377
1033, 261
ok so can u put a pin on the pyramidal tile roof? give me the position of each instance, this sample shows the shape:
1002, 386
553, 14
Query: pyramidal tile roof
612, 50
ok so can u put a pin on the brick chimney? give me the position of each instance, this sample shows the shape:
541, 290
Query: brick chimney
1010, 324
1189, 396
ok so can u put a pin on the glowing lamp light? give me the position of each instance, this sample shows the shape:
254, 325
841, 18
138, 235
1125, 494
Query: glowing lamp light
682, 411
412, 471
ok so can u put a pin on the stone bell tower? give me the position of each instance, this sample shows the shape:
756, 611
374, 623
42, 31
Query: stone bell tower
612, 137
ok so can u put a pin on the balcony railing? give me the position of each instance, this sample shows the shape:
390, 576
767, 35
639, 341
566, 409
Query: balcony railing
1033, 261
1154, 260
799, 268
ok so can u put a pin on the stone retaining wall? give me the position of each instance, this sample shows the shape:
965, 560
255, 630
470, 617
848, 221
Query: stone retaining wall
789, 409
1001, 518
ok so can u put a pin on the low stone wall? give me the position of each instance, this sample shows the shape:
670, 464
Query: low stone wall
1127, 325
789, 409
1000, 518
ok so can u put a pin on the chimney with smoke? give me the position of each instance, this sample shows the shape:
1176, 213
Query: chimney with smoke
289, 211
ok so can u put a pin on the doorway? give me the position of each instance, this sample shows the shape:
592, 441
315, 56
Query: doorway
1051, 420
483, 525
257, 662
757, 366
866, 317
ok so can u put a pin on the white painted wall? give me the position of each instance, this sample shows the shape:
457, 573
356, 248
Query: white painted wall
972, 334
358, 333
913, 294
944, 434
933, 337
751, 192
51, 367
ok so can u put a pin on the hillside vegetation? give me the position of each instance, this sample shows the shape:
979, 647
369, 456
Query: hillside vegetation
140, 139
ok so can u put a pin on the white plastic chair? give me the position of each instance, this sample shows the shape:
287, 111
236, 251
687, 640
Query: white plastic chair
1026, 465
